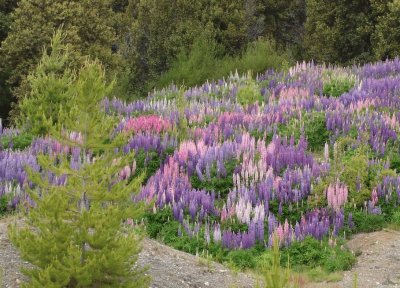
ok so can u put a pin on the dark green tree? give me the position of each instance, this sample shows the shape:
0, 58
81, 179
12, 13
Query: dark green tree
6, 7
90, 27
386, 37
339, 31
284, 21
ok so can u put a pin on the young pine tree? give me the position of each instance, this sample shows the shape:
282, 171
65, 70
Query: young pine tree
49, 89
75, 234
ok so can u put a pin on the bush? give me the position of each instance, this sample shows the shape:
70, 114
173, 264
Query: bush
337, 85
396, 218
19, 142
220, 185
147, 163
315, 131
313, 253
204, 63
242, 259
249, 94
3, 205
364, 222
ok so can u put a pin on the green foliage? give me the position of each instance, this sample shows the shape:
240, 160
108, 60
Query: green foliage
156, 221
274, 275
242, 259
285, 20
147, 163
305, 255
194, 67
50, 89
313, 253
161, 30
336, 86
249, 94
19, 142
386, 39
313, 126
220, 185
395, 162
88, 33
234, 225
6, 7
365, 222
396, 218
339, 32
354, 169
204, 63
75, 235
315, 131
291, 212
3, 205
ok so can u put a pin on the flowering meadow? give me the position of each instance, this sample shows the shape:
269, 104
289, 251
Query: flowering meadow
312, 153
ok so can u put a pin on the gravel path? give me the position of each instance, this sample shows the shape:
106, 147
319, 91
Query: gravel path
377, 266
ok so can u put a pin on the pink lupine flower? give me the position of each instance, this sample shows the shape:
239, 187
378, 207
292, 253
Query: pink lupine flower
133, 169
374, 197
326, 152
147, 124
336, 195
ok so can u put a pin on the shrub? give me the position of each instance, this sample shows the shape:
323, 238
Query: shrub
336, 85
204, 63
220, 185
3, 205
19, 142
242, 259
315, 131
313, 253
249, 94
364, 222
396, 218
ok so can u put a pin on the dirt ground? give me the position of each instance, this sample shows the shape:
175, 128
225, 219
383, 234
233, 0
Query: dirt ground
377, 266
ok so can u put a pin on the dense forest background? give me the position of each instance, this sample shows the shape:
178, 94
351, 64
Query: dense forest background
147, 44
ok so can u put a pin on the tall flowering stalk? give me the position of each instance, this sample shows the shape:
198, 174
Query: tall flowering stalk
337, 194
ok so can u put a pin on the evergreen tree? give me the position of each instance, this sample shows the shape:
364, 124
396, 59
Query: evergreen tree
386, 36
50, 89
284, 21
6, 7
75, 233
90, 27
339, 31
